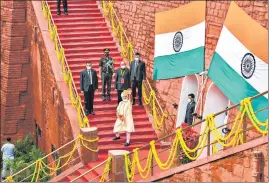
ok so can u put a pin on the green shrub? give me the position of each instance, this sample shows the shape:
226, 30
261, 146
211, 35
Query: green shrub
26, 154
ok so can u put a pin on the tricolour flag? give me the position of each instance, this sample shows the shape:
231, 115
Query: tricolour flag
179, 41
239, 66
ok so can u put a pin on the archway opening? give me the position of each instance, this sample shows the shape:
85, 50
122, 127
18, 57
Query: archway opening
190, 85
215, 101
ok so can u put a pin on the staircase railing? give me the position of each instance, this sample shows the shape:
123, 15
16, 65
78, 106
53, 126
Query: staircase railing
103, 176
127, 51
53, 163
188, 145
68, 78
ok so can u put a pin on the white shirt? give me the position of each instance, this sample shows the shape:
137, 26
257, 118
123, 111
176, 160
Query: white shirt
8, 150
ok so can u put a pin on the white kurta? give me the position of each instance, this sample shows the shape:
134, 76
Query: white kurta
124, 109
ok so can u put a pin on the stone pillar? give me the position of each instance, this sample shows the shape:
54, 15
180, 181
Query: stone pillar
117, 173
256, 170
86, 154
16, 98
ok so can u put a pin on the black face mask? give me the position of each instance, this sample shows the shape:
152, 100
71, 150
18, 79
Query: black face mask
106, 54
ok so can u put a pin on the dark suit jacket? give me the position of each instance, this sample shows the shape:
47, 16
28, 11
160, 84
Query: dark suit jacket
189, 116
85, 80
141, 71
126, 77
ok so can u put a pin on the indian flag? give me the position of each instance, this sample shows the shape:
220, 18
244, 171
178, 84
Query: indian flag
179, 41
240, 66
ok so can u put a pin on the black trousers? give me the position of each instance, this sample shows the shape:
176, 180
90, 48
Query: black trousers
119, 95
88, 99
106, 83
64, 4
137, 84
188, 121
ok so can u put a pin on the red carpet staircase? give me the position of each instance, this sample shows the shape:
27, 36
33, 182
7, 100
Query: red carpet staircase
84, 34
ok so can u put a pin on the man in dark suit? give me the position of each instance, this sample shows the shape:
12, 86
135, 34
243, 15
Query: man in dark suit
122, 80
64, 6
88, 85
138, 75
190, 109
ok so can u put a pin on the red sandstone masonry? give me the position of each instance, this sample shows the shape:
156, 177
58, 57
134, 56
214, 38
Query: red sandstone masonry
17, 29
14, 113
44, 73
11, 71
14, 15
11, 127
15, 57
6, 96
16, 109
14, 85
14, 4
12, 43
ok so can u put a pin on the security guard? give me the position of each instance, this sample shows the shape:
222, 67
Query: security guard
106, 69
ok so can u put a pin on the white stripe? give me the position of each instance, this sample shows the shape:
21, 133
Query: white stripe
232, 51
193, 37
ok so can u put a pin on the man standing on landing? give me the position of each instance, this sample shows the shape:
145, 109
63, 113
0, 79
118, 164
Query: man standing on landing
138, 75
88, 85
190, 109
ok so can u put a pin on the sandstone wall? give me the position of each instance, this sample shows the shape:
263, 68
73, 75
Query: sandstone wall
139, 22
234, 168
30, 95
16, 79
49, 109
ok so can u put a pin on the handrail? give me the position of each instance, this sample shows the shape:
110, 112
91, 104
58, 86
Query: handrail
75, 99
130, 61
78, 143
125, 35
190, 126
88, 171
45, 157
146, 83
198, 143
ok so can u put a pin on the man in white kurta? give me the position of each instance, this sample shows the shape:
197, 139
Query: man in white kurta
124, 122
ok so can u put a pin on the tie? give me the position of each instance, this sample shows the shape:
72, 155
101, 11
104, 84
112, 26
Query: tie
90, 74
136, 63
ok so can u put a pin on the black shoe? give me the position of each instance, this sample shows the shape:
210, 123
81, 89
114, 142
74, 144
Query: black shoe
108, 98
103, 98
92, 113
140, 103
133, 101
65, 12
116, 138
87, 112
59, 12
126, 144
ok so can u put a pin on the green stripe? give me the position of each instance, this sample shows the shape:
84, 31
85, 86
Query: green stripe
178, 65
234, 86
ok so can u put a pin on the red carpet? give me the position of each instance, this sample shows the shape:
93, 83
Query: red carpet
84, 34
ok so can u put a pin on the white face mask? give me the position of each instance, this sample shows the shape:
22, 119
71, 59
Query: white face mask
136, 59
189, 100
122, 66
124, 98
89, 67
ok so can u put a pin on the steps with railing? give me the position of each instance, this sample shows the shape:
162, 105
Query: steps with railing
60, 33
187, 146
